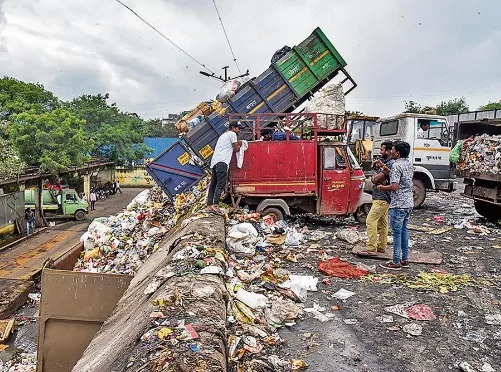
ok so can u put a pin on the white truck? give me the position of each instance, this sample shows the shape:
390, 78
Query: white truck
429, 151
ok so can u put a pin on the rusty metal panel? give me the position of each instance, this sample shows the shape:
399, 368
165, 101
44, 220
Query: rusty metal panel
73, 307
11, 207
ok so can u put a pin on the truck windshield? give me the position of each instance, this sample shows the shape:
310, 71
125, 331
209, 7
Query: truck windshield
353, 161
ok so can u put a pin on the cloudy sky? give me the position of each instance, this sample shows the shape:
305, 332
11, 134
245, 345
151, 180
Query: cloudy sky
396, 50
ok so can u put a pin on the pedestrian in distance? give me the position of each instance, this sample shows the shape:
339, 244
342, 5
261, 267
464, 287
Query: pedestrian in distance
30, 221
401, 204
117, 187
226, 145
92, 199
377, 219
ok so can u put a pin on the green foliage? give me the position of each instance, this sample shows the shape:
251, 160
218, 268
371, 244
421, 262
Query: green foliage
453, 106
115, 134
54, 140
17, 97
413, 107
10, 161
154, 128
491, 106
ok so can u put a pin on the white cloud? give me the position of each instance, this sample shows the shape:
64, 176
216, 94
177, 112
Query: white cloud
395, 50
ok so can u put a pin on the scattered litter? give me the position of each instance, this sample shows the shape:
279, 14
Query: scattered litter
293, 237
349, 235
493, 319
343, 294
420, 312
486, 367
413, 329
241, 239
341, 269
300, 284
253, 300
298, 364
316, 310
399, 309
385, 319
350, 321
466, 367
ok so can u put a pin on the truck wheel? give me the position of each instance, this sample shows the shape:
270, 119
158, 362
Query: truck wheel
274, 212
362, 212
490, 211
419, 192
79, 215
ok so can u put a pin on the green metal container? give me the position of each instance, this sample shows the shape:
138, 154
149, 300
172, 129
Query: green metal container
310, 62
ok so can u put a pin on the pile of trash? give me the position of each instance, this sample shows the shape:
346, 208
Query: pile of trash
481, 154
23, 362
120, 243
329, 100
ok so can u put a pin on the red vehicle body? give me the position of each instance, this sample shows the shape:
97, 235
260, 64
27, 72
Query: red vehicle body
314, 174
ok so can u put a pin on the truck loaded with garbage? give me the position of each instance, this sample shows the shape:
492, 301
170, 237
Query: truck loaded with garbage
294, 76
477, 155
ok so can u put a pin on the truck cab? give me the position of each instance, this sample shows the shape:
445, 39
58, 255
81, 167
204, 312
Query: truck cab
429, 150
71, 204
360, 134
316, 173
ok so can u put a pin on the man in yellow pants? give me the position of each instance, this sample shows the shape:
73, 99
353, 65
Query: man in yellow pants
377, 219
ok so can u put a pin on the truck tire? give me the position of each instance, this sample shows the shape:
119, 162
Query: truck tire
419, 192
490, 211
80, 215
361, 213
276, 213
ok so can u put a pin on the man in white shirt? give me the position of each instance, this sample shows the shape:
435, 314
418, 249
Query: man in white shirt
225, 146
423, 129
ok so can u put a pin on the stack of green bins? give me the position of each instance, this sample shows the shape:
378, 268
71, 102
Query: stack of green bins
310, 62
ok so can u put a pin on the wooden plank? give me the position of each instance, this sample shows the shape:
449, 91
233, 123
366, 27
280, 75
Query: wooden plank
432, 258
441, 230
420, 228
13, 294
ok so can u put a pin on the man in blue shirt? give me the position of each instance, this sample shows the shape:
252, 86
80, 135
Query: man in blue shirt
401, 204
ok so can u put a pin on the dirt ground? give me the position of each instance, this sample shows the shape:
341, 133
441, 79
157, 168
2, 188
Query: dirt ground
460, 333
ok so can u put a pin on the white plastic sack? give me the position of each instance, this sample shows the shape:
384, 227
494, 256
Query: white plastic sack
139, 200
242, 238
293, 237
329, 100
251, 299
228, 90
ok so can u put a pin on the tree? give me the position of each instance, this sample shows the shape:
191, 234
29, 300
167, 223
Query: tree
413, 107
17, 97
155, 128
10, 161
54, 140
491, 106
114, 133
454, 106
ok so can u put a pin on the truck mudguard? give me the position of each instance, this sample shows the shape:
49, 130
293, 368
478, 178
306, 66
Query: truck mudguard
273, 203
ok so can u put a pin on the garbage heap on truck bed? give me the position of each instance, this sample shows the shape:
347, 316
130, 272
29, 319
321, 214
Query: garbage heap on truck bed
481, 154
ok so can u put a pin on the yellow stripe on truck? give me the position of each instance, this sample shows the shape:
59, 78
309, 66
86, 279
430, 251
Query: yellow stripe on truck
441, 149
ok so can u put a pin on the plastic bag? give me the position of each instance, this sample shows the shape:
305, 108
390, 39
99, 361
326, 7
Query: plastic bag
228, 90
455, 153
241, 239
293, 237
280, 53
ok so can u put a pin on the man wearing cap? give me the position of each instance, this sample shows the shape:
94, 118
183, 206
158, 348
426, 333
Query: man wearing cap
225, 146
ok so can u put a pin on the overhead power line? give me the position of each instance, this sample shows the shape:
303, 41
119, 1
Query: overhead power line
165, 37
226, 35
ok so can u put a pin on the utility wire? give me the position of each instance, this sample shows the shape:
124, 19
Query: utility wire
226, 35
165, 37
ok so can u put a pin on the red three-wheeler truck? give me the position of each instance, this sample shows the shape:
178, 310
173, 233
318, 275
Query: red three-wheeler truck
300, 165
